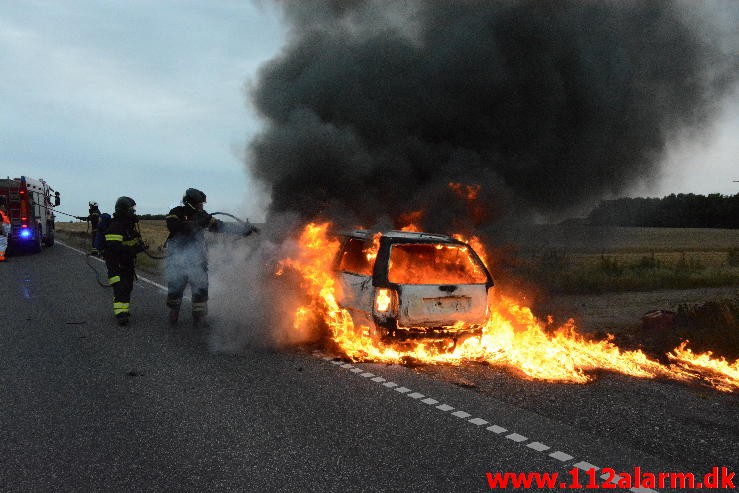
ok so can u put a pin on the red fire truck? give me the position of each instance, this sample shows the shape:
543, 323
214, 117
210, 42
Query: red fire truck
29, 204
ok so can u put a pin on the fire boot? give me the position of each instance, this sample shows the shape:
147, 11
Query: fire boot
199, 321
122, 318
174, 314
199, 311
173, 303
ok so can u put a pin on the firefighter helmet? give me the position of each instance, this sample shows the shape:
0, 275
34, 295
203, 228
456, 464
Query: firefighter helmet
126, 206
92, 203
193, 196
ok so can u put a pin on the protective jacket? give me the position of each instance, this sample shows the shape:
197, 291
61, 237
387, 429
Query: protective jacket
122, 243
187, 228
4, 233
94, 219
94, 216
5, 223
187, 260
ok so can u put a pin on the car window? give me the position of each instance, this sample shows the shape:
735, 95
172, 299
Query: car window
354, 258
426, 263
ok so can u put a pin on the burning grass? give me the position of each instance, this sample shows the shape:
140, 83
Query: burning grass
512, 337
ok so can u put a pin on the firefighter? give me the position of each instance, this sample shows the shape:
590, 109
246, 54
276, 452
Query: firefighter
93, 218
187, 258
4, 229
122, 243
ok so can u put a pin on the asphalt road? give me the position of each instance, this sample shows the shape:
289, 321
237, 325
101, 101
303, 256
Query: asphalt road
86, 405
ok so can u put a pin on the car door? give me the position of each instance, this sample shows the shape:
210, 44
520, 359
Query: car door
354, 280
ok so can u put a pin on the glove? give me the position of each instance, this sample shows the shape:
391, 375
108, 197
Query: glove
141, 245
202, 219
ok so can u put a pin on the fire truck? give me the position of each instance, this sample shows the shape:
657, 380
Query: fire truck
29, 203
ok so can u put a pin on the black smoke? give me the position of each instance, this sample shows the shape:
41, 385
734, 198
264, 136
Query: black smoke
374, 107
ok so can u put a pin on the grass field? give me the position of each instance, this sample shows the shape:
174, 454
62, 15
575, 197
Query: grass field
153, 232
581, 259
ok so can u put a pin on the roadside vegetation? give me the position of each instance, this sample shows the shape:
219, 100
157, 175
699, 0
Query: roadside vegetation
593, 260
561, 271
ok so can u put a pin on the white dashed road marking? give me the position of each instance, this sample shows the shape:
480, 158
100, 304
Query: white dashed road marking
498, 430
461, 414
516, 437
586, 466
561, 456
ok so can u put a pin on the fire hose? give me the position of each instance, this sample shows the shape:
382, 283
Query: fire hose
146, 249
240, 221
97, 274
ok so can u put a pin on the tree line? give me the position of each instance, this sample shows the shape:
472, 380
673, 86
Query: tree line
673, 211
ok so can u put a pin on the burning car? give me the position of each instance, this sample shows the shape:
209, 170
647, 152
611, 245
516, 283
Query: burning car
400, 285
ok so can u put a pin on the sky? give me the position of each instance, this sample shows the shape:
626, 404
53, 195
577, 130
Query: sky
139, 98
106, 98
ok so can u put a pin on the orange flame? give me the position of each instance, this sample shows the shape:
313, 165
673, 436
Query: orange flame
718, 372
410, 220
468, 192
512, 336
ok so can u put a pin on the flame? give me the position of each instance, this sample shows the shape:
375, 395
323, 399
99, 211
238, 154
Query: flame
470, 195
512, 336
410, 220
468, 192
717, 372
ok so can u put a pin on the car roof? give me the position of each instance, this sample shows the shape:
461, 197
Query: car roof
396, 236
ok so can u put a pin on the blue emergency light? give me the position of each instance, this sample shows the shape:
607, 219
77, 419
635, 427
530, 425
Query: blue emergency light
25, 233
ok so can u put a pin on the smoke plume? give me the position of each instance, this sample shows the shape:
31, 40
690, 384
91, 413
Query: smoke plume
373, 108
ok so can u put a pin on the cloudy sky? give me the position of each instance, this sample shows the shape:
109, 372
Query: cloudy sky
140, 98
147, 98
